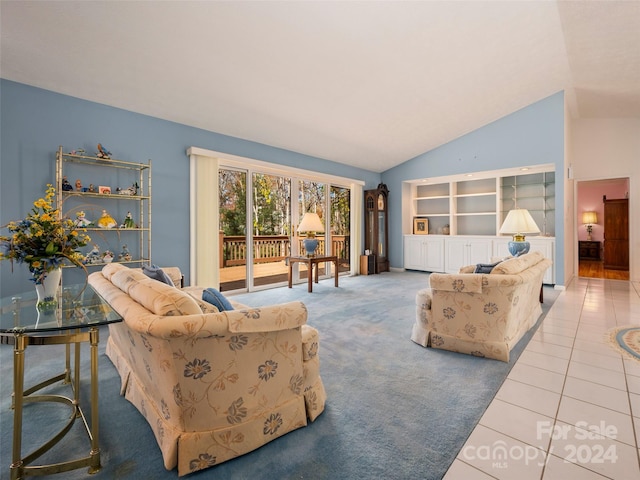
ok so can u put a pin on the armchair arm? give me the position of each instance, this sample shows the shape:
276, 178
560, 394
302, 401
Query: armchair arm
460, 282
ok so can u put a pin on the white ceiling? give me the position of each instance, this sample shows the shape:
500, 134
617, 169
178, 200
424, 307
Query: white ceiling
369, 84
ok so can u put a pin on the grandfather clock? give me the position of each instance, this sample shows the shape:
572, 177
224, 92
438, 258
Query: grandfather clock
376, 225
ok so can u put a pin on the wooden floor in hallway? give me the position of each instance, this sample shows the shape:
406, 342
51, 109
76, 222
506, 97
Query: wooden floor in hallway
595, 269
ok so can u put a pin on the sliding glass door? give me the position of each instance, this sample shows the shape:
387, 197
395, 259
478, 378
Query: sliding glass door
340, 204
233, 229
258, 221
271, 228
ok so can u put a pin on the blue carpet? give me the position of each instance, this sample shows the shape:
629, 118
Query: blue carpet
395, 409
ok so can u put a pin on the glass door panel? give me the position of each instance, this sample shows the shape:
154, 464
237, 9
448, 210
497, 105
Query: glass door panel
340, 203
271, 228
233, 229
312, 198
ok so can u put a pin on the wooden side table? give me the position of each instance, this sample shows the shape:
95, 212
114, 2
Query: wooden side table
310, 262
589, 250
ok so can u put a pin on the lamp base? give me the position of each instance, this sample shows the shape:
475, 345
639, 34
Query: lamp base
310, 245
518, 248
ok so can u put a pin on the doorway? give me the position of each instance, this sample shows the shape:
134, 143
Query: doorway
596, 238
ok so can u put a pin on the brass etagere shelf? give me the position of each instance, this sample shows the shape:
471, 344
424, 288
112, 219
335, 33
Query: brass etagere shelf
111, 173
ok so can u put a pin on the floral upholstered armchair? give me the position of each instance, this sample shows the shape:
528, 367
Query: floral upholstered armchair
481, 314
212, 384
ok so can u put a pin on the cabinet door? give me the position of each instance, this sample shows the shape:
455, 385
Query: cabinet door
479, 251
455, 254
413, 259
433, 254
546, 248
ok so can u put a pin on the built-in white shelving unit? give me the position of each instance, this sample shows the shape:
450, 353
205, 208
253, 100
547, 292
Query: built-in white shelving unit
465, 212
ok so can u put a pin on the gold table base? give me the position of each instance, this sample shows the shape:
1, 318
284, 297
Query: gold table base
22, 466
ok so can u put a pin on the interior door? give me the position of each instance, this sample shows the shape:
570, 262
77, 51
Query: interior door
616, 234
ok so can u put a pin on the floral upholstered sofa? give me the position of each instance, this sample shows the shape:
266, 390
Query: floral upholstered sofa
212, 384
481, 314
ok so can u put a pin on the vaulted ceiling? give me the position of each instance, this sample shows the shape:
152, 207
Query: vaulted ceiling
368, 84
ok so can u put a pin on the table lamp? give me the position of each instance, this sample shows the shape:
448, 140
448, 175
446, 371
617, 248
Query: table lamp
589, 219
517, 223
310, 224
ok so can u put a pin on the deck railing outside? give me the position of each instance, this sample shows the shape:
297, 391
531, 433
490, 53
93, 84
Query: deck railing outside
273, 248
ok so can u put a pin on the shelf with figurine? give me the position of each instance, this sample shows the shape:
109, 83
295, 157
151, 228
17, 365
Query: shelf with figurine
99, 180
106, 222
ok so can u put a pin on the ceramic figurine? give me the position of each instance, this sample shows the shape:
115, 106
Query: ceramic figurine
125, 255
132, 190
91, 189
82, 221
128, 221
107, 257
66, 186
106, 221
78, 185
94, 256
103, 152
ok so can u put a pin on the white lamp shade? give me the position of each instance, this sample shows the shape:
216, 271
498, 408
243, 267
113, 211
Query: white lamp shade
310, 223
589, 218
519, 221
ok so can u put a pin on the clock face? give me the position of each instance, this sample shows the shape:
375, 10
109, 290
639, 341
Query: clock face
380, 202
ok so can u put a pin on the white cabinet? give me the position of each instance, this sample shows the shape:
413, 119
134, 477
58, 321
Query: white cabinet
424, 252
448, 253
461, 251
546, 245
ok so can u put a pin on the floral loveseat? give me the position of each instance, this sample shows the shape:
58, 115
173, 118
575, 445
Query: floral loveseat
481, 314
212, 385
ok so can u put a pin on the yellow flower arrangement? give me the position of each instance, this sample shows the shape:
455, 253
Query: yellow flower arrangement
44, 239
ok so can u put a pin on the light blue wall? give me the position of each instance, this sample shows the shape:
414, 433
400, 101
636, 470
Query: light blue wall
34, 122
531, 136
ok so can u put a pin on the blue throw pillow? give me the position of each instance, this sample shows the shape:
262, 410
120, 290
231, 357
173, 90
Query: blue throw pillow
485, 267
214, 297
157, 273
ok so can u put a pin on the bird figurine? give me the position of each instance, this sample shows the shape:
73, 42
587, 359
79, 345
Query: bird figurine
103, 152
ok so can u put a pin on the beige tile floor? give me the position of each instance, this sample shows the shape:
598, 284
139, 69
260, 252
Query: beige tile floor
570, 407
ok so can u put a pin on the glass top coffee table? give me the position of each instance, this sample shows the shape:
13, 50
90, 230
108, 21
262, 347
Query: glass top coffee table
79, 313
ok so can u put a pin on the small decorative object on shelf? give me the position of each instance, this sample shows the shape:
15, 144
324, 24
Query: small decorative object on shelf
125, 255
106, 220
93, 256
43, 240
103, 152
91, 189
66, 186
81, 220
78, 185
104, 190
107, 256
132, 190
128, 221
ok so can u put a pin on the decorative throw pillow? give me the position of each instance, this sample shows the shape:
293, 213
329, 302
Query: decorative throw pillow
214, 297
485, 267
155, 272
